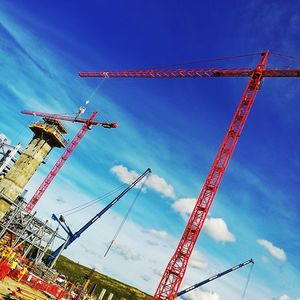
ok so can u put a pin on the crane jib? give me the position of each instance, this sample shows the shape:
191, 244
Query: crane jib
192, 73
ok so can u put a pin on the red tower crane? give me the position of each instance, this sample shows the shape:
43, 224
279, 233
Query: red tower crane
175, 270
87, 124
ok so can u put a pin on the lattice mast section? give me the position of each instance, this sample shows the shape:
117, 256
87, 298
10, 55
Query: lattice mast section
175, 270
42, 188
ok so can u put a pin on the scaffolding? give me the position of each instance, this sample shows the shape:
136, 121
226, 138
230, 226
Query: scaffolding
8, 155
30, 236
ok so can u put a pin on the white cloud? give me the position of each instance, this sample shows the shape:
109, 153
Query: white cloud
202, 295
125, 252
124, 174
184, 206
160, 185
146, 278
275, 251
197, 261
153, 182
159, 233
218, 230
214, 227
157, 272
60, 200
284, 297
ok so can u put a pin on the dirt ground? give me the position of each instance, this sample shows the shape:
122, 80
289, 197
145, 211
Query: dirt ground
27, 292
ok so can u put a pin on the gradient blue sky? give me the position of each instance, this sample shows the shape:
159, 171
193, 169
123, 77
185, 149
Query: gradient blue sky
173, 126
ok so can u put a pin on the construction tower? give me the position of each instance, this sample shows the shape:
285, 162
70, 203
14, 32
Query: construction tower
47, 134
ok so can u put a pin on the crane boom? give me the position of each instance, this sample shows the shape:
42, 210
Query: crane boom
215, 277
66, 118
76, 235
191, 73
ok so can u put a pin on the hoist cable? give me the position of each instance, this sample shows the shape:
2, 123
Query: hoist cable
97, 88
288, 57
126, 216
206, 60
247, 282
19, 134
95, 200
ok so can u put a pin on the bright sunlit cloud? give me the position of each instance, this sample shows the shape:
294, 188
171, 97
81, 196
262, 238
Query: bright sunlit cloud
273, 250
154, 182
218, 230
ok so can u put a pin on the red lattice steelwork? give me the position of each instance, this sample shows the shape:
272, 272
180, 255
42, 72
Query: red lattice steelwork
190, 73
173, 275
175, 270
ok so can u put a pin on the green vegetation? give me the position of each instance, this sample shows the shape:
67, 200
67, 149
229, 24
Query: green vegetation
76, 273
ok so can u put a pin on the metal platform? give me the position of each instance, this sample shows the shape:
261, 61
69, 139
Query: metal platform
27, 233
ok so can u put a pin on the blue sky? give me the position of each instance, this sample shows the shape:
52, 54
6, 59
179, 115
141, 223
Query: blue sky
172, 126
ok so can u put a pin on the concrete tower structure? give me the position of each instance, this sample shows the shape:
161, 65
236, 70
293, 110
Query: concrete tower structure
47, 135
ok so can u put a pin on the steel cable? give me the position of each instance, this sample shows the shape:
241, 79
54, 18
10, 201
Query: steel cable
126, 216
287, 57
247, 282
206, 60
92, 202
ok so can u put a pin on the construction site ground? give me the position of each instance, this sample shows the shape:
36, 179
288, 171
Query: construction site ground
29, 293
